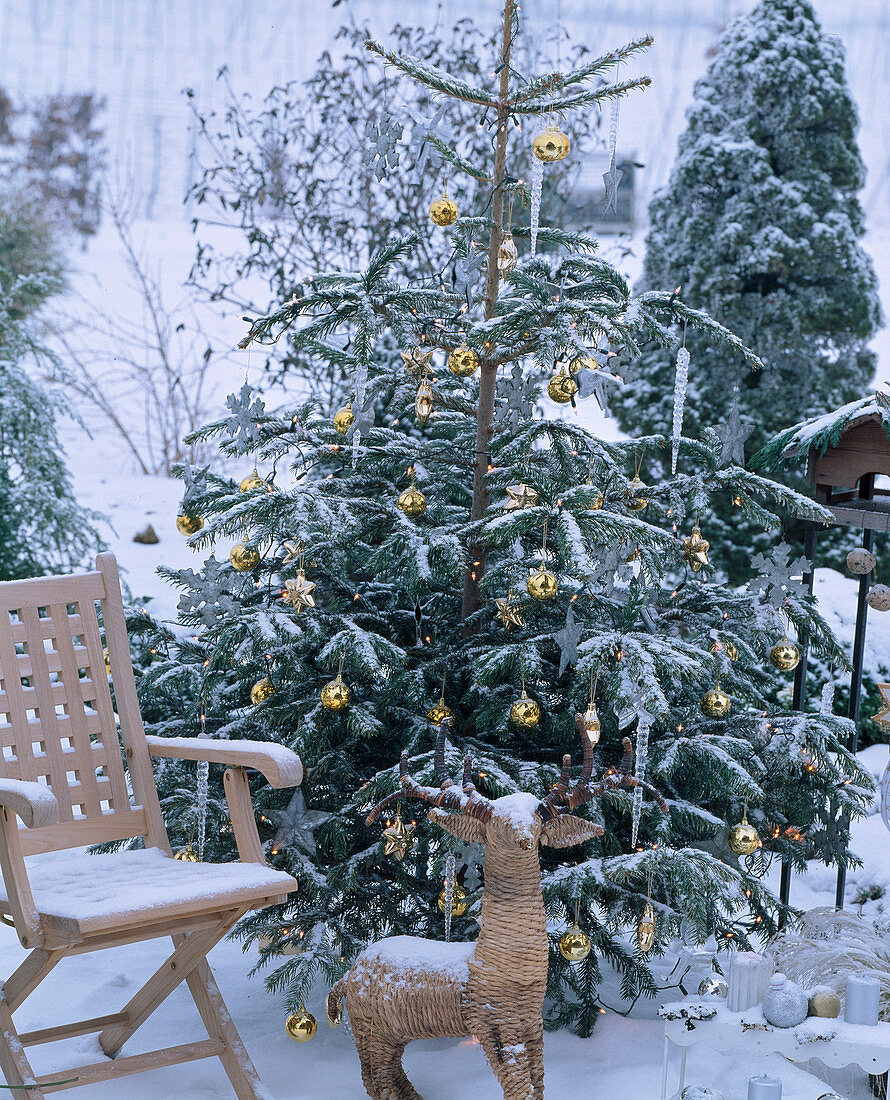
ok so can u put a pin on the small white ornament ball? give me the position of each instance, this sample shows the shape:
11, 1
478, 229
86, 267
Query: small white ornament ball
861, 561
700, 1092
879, 597
713, 986
785, 1003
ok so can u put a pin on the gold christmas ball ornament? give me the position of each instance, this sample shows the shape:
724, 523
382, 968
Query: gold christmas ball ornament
550, 145
439, 713
443, 210
716, 703
301, 1026
562, 388
713, 986
743, 838
508, 256
335, 695
412, 502
861, 561
463, 361
262, 690
243, 557
582, 362
525, 712
188, 854
646, 929
423, 403
595, 500
825, 1003
636, 502
574, 945
591, 722
344, 419
189, 525
784, 656
458, 901
878, 597
542, 584
253, 481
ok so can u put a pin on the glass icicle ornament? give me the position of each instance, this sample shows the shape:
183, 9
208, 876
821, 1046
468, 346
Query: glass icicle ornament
681, 380
536, 185
449, 893
640, 774
201, 803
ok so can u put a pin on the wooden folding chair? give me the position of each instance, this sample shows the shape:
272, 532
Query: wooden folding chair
63, 774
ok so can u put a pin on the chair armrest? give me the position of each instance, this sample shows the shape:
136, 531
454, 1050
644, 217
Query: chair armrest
280, 766
34, 803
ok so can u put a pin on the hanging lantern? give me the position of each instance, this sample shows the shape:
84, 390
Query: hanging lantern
591, 722
646, 929
508, 256
423, 403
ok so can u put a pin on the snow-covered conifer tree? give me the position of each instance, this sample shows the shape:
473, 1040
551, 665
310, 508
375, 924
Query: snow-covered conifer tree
529, 565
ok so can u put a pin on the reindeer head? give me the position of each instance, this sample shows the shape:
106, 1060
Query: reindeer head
517, 822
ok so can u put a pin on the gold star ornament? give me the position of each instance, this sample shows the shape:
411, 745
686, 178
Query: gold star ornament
417, 361
883, 715
508, 613
695, 550
299, 592
293, 551
398, 839
521, 496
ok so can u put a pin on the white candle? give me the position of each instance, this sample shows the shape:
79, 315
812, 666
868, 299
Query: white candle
863, 996
764, 1088
747, 982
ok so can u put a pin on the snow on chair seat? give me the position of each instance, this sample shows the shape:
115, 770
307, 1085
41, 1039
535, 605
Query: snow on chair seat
126, 888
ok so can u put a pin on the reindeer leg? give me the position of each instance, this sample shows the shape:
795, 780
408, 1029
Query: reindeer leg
508, 1054
534, 1041
401, 1088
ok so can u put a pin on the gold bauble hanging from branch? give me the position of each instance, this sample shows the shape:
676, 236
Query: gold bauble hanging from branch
244, 558
188, 524
443, 210
562, 387
301, 1026
412, 502
335, 695
463, 361
743, 838
574, 945
253, 481
636, 501
525, 712
785, 656
542, 584
716, 703
550, 145
262, 690
459, 901
344, 419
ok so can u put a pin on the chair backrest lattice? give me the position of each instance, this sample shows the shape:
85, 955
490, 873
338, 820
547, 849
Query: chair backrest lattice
57, 721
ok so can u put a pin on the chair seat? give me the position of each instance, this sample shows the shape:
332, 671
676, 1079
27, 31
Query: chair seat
76, 890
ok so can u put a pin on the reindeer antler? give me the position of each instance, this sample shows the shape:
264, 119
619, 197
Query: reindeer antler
585, 791
467, 801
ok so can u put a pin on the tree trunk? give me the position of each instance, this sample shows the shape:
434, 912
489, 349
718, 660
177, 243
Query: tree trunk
472, 599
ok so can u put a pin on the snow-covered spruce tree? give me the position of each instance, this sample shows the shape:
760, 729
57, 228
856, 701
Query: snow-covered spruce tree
414, 608
760, 224
42, 528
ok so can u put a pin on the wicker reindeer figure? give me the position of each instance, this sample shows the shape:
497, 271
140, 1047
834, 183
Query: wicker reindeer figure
406, 988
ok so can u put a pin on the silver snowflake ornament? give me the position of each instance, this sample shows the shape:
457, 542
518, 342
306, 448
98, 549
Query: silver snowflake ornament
296, 825
778, 575
243, 425
383, 138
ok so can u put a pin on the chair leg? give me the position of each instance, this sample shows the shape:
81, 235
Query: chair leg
190, 950
13, 1062
236, 1061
